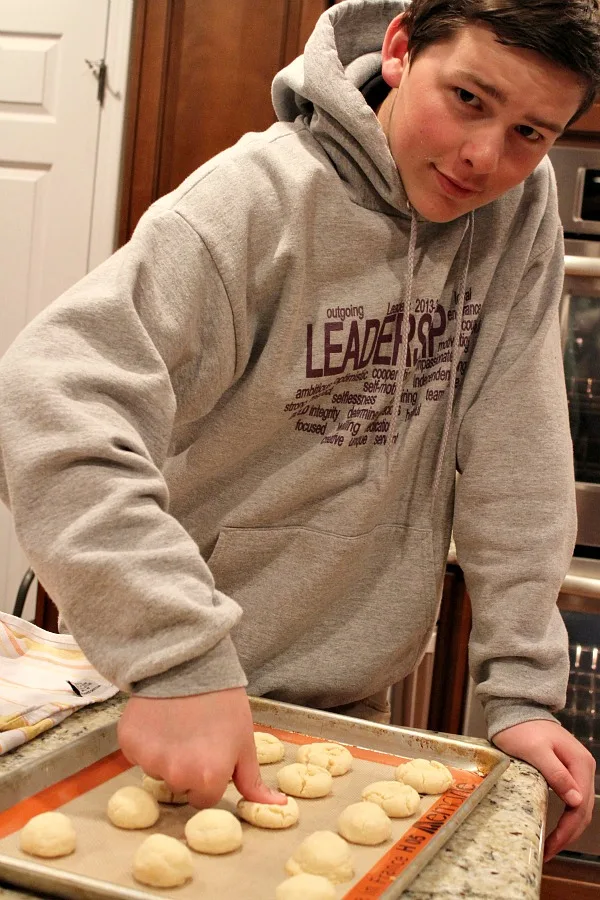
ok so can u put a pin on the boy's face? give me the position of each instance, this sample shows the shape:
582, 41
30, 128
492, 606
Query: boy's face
470, 118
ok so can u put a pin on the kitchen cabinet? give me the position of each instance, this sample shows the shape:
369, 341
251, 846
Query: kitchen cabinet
450, 668
564, 878
200, 78
589, 124
46, 613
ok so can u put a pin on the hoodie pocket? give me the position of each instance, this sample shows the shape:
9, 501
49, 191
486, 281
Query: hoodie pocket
341, 612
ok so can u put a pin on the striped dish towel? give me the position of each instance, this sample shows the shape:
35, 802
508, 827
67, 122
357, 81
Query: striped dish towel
44, 677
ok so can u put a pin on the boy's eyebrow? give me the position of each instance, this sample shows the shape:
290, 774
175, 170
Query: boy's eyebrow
501, 97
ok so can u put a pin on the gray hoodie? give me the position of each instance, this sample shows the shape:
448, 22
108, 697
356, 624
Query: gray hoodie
231, 450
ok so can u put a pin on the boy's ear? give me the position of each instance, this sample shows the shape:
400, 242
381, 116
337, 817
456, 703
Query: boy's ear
394, 55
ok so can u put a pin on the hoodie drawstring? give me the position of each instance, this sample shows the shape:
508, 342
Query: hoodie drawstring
470, 227
403, 367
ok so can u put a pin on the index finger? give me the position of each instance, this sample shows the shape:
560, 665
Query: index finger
248, 780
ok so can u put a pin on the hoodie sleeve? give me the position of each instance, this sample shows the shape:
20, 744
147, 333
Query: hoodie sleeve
515, 520
89, 394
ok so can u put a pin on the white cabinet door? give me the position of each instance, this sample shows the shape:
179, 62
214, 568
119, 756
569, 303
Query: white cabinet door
49, 130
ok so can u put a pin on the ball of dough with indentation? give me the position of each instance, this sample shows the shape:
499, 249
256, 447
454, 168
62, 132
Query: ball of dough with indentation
396, 799
426, 776
304, 780
161, 791
336, 758
269, 749
213, 831
305, 887
365, 823
48, 834
269, 815
132, 807
162, 861
322, 853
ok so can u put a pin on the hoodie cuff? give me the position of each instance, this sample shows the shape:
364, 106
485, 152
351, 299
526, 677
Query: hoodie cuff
217, 670
501, 714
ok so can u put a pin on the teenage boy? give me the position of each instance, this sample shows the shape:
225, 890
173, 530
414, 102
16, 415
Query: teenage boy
231, 450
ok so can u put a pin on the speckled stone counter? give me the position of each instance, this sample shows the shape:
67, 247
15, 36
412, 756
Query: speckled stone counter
497, 852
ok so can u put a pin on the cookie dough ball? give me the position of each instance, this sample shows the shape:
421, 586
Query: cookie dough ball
396, 800
48, 834
132, 807
365, 823
161, 791
162, 861
269, 749
269, 815
213, 831
425, 776
322, 853
336, 758
305, 887
304, 780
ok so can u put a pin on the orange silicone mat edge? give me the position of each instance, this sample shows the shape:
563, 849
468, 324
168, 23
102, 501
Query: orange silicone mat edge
58, 794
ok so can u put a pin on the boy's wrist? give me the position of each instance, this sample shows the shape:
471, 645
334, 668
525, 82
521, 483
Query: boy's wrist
503, 713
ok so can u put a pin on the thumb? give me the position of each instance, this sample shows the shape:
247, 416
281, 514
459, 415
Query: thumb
248, 781
562, 783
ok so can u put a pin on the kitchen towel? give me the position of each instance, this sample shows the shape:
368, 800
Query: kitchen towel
44, 677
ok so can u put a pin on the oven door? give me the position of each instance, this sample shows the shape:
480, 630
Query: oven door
580, 330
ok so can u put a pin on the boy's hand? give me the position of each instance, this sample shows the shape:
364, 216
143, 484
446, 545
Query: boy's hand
196, 744
567, 767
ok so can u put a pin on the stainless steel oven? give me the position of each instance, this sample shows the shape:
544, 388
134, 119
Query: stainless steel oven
577, 168
577, 171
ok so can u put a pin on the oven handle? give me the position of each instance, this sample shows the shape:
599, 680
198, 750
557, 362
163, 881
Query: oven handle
588, 266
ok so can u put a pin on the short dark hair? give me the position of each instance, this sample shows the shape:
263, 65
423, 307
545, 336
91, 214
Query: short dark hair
565, 31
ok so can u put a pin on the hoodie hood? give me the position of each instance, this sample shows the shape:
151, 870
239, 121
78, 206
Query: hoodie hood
323, 87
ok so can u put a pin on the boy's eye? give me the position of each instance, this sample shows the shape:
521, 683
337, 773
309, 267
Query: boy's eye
529, 133
467, 97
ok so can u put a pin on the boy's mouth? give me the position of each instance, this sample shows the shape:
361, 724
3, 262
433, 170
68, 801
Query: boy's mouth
454, 188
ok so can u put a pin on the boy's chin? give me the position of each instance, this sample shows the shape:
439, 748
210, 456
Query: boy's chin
441, 217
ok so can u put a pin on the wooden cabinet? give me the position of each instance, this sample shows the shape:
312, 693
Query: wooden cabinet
200, 78
450, 668
46, 613
564, 878
588, 125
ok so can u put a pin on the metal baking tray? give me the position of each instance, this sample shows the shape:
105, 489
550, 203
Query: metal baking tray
254, 871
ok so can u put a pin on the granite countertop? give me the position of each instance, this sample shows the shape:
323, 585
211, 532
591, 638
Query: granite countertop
496, 852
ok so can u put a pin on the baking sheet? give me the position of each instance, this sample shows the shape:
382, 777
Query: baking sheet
101, 865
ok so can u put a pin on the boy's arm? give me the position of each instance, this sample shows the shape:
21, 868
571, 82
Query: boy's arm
89, 394
514, 528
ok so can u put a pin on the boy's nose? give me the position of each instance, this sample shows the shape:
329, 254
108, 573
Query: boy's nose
483, 151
